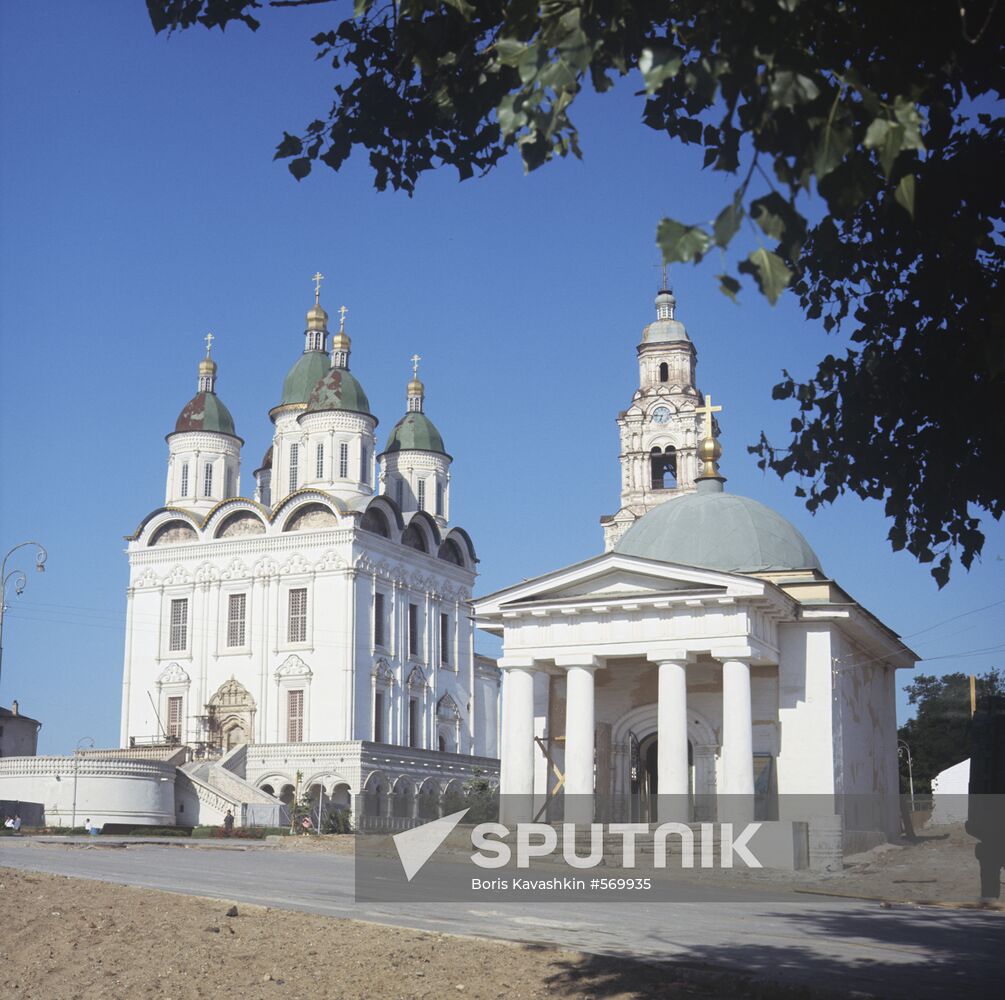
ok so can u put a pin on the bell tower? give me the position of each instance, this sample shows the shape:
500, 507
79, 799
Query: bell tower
661, 428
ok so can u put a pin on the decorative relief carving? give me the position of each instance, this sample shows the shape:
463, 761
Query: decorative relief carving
178, 576
173, 673
293, 666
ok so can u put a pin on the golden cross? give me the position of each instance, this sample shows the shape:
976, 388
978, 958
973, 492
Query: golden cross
317, 279
341, 318
415, 359
209, 343
707, 410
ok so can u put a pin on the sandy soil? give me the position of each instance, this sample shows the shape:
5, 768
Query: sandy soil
71, 939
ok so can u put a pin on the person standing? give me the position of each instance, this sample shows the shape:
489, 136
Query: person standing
228, 823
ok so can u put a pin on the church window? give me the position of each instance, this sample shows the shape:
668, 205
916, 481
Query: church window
442, 742
664, 372
364, 465
439, 498
414, 645
297, 626
295, 716
237, 605
378, 717
174, 719
207, 480
184, 479
319, 461
178, 636
445, 639
399, 492
294, 466
343, 460
422, 494
414, 723
379, 626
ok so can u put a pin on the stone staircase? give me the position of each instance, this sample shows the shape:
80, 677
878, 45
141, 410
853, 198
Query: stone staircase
218, 786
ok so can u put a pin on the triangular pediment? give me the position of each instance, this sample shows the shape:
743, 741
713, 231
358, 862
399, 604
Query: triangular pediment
616, 577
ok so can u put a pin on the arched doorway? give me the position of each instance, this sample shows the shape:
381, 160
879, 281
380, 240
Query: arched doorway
645, 779
231, 715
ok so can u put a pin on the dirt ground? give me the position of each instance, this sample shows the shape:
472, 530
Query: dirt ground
72, 939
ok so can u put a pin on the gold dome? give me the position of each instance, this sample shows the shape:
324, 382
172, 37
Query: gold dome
317, 318
709, 453
416, 388
341, 342
207, 366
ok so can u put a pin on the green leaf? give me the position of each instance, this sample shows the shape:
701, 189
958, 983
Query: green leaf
290, 146
770, 272
835, 143
509, 51
907, 114
789, 89
727, 222
462, 7
729, 286
681, 243
905, 193
771, 213
300, 167
888, 138
659, 64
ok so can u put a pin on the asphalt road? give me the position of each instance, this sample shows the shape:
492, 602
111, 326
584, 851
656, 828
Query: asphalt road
903, 951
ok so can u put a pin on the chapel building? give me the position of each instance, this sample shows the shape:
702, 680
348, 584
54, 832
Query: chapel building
311, 633
704, 666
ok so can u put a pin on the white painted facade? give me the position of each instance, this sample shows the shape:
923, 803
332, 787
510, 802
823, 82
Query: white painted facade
318, 613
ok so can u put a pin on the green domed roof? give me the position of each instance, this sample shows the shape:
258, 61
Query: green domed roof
415, 432
205, 412
310, 368
715, 530
338, 390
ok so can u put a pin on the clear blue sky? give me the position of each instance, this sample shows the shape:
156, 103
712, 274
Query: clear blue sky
140, 208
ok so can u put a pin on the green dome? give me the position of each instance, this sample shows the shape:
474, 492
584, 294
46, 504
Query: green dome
338, 389
715, 530
205, 412
310, 368
415, 432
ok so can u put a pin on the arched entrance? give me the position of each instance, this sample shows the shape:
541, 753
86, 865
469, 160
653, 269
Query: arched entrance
635, 782
231, 715
644, 779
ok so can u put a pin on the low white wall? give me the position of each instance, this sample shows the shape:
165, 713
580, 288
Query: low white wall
133, 792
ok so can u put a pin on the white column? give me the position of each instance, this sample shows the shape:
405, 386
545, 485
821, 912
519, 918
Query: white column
517, 751
671, 760
737, 740
579, 742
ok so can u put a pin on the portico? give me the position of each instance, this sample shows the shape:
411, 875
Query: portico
585, 680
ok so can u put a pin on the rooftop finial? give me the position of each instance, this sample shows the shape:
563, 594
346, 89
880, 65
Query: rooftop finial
709, 450
317, 279
342, 310
416, 390
207, 368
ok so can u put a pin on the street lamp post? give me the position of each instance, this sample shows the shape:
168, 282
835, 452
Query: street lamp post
76, 768
903, 750
19, 579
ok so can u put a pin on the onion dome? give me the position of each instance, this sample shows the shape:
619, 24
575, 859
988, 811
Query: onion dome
415, 431
338, 389
666, 329
205, 411
314, 363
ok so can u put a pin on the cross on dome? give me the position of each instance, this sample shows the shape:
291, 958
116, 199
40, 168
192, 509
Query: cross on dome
342, 310
209, 343
706, 411
317, 279
415, 359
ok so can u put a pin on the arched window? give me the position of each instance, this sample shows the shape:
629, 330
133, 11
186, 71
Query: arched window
343, 460
184, 479
664, 372
664, 468
319, 460
364, 465
399, 492
207, 482
422, 494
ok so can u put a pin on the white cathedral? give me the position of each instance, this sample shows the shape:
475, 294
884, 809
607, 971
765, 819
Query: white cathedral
322, 626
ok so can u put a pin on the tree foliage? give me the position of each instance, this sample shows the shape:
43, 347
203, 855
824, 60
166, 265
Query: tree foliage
868, 150
939, 734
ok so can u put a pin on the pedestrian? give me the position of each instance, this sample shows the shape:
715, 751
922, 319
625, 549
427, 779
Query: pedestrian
228, 823
17, 824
